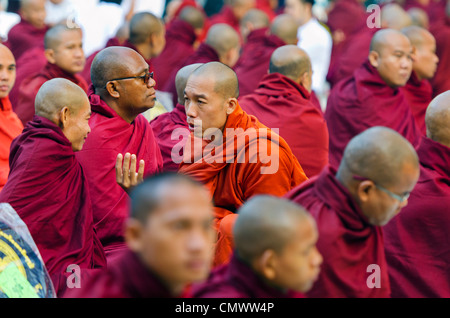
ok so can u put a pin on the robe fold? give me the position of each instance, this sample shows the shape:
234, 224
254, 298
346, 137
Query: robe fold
281, 103
419, 94
417, 241
23, 37
347, 242
364, 101
31, 85
255, 64
249, 160
238, 280
111, 135
441, 80
48, 189
164, 126
10, 128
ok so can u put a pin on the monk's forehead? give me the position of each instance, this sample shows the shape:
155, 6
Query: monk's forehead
396, 41
200, 84
130, 63
6, 57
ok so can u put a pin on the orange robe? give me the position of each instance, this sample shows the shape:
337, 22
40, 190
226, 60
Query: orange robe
10, 128
244, 170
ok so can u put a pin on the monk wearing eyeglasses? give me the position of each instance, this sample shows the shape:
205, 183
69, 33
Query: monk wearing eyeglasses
378, 171
121, 149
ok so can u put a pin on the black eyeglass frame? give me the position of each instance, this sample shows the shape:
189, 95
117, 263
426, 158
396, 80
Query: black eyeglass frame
145, 77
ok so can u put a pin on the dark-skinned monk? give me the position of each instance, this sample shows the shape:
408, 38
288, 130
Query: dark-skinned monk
122, 88
275, 253
417, 249
351, 204
47, 186
371, 97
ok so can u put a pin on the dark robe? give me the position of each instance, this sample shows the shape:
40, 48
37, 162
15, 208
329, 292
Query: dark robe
48, 189
31, 85
163, 127
347, 242
364, 101
281, 103
111, 135
238, 280
417, 241
441, 79
226, 16
23, 37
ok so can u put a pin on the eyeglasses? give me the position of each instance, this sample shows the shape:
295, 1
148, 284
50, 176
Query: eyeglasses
145, 77
400, 198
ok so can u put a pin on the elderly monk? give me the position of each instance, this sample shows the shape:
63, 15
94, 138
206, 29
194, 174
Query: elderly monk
221, 45
122, 88
231, 152
65, 58
417, 241
169, 127
181, 36
169, 242
283, 101
232, 13
418, 90
371, 97
10, 125
378, 171
251, 69
275, 253
30, 31
47, 186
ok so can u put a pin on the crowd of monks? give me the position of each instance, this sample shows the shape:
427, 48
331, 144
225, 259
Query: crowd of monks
203, 157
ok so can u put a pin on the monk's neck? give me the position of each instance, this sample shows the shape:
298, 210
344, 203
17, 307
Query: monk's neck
129, 118
145, 50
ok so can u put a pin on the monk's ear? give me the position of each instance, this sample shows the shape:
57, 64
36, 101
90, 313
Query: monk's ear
64, 116
365, 190
50, 56
305, 81
267, 264
133, 234
373, 58
111, 87
231, 105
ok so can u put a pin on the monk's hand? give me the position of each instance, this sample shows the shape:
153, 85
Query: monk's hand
126, 175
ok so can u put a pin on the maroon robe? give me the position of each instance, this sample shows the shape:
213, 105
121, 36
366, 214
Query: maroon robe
31, 85
417, 241
237, 280
127, 277
419, 94
111, 135
163, 127
48, 189
281, 103
23, 37
226, 16
364, 101
347, 242
180, 38
255, 64
441, 79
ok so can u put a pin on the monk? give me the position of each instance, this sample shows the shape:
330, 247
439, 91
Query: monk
47, 186
283, 101
65, 58
418, 90
232, 13
181, 36
254, 26
221, 45
122, 88
371, 97
169, 241
275, 253
372, 184
237, 164
254, 66
416, 241
10, 125
419, 18
30, 31
169, 127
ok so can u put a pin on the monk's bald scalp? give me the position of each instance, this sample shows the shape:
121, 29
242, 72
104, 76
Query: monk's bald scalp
416, 35
237, 3
56, 94
182, 78
193, 16
379, 154
419, 17
384, 38
290, 61
285, 27
437, 119
395, 17
53, 36
266, 223
5, 51
143, 25
222, 38
25, 4
257, 18
224, 78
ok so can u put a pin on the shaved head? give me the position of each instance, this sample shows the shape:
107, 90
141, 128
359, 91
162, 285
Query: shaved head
27, 4
285, 27
53, 36
143, 25
222, 38
257, 18
394, 17
416, 35
182, 78
224, 78
8, 70
33, 11
437, 119
193, 16
384, 38
290, 61
419, 18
